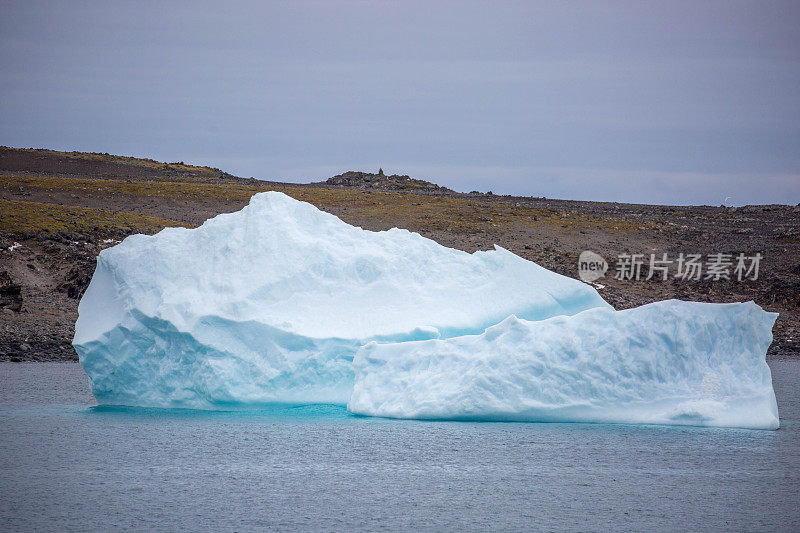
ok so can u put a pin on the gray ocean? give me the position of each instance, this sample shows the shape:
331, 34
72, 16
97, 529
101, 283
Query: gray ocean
67, 464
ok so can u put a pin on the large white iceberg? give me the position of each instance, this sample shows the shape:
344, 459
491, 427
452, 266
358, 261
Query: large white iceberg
669, 362
271, 303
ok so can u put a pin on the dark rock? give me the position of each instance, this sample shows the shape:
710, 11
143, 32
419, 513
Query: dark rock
77, 279
10, 293
395, 182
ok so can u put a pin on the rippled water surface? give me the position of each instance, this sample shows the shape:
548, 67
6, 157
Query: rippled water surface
66, 463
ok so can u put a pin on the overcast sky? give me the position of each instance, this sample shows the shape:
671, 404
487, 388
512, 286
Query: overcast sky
665, 102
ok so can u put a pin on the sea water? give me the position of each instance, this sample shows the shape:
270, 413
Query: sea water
66, 463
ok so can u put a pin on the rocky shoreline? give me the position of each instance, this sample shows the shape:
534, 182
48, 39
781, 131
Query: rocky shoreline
59, 209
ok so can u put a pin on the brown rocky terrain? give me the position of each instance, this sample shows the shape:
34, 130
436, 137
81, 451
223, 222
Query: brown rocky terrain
59, 209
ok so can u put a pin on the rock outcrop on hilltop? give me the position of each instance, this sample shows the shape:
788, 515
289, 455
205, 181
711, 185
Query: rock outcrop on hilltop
395, 182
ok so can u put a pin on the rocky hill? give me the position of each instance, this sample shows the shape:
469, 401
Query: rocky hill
59, 209
97, 165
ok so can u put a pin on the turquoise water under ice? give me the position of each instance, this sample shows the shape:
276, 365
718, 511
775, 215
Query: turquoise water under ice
67, 464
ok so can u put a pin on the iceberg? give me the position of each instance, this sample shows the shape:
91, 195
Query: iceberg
282, 302
669, 362
271, 303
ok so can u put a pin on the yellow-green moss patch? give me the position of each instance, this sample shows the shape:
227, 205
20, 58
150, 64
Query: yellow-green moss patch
19, 217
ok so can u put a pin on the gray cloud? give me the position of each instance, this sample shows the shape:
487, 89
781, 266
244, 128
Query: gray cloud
691, 102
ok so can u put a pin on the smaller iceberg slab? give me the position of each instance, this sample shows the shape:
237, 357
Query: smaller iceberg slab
669, 362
